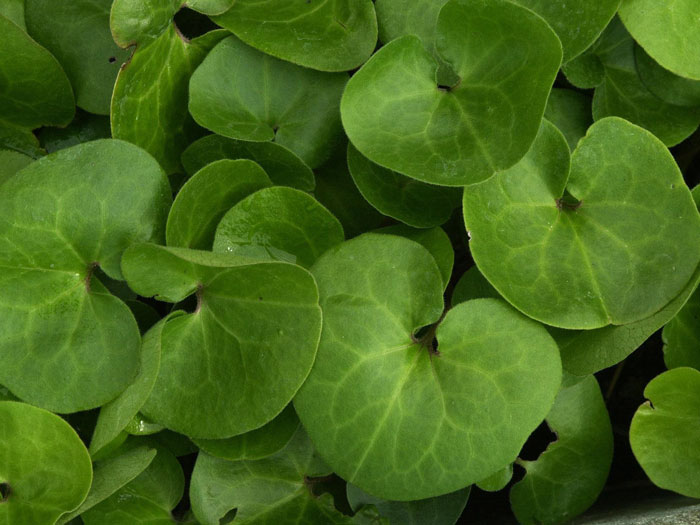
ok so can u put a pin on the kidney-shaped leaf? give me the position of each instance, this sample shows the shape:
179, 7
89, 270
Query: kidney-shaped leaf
610, 242
66, 343
242, 93
282, 166
242, 354
567, 478
278, 223
665, 431
328, 35
398, 417
45, 469
207, 196
505, 59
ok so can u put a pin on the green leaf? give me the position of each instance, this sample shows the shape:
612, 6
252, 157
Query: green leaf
111, 475
336, 190
139, 425
210, 7
682, 336
147, 500
623, 94
664, 84
157, 119
141, 21
336, 35
570, 111
276, 489
667, 31
207, 196
21, 140
405, 199
666, 429
116, 415
44, 467
397, 115
497, 481
610, 241
78, 35
242, 354
84, 128
397, 18
11, 162
66, 343
391, 413
567, 478
442, 510
278, 223
435, 240
256, 444
586, 71
239, 92
578, 23
282, 166
35, 89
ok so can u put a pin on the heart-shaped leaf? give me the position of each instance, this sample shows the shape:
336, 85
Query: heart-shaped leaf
207, 196
661, 82
336, 35
567, 477
682, 336
590, 246
45, 469
278, 223
241, 93
666, 429
66, 343
443, 510
570, 111
242, 354
282, 166
398, 417
256, 444
157, 119
667, 31
397, 115
36, 90
141, 21
271, 490
78, 35
11, 162
410, 201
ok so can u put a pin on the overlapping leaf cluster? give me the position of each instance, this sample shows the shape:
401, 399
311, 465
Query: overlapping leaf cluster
229, 228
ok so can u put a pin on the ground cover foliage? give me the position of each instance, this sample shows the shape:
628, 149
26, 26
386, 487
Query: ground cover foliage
346, 261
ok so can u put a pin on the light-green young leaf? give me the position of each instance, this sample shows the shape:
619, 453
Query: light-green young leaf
667, 31
398, 116
611, 241
278, 223
66, 343
333, 35
207, 196
45, 469
241, 93
391, 413
666, 429
242, 354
